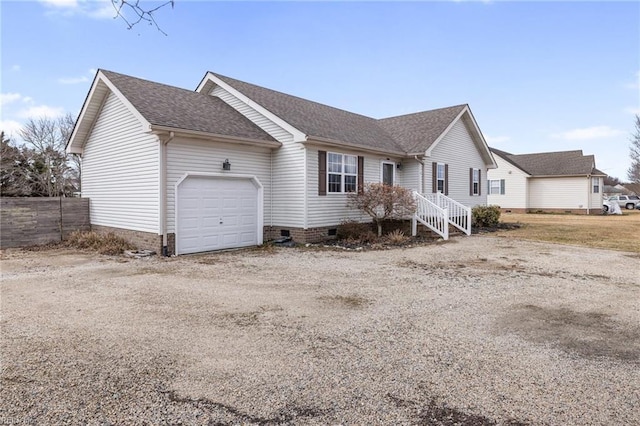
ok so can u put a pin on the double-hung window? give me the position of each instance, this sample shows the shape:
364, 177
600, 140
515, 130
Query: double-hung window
496, 187
342, 172
440, 178
595, 183
476, 182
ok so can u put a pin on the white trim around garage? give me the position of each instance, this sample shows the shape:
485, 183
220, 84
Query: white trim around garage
252, 178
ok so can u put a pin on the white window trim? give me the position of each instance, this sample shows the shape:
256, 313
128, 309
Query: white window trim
499, 187
476, 182
342, 174
444, 177
393, 164
595, 183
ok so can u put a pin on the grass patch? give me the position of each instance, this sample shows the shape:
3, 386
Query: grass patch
600, 231
108, 243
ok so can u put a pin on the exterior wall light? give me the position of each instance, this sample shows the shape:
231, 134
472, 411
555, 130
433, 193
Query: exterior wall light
226, 165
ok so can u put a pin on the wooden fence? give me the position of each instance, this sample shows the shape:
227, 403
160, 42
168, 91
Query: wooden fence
30, 221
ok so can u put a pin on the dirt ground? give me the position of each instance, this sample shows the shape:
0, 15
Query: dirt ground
479, 330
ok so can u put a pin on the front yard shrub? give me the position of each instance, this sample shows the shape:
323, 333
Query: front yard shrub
351, 229
485, 216
396, 237
383, 202
108, 243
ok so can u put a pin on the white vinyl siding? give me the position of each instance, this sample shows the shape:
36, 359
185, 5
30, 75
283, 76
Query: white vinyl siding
515, 180
559, 193
460, 153
120, 170
596, 198
201, 156
331, 209
288, 167
409, 174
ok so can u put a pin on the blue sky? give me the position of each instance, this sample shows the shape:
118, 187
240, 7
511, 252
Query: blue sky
539, 76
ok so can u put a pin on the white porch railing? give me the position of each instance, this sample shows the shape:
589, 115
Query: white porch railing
430, 215
459, 214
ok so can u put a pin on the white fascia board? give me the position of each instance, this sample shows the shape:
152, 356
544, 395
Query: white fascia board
72, 147
297, 134
214, 136
339, 144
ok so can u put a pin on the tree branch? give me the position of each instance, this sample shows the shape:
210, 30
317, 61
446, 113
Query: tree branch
140, 13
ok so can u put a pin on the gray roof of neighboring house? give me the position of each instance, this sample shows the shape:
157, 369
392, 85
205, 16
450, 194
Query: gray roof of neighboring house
170, 106
560, 163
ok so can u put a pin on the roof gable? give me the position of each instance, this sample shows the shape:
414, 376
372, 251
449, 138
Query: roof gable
560, 163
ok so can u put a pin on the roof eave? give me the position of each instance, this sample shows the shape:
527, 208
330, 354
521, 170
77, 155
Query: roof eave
218, 137
332, 142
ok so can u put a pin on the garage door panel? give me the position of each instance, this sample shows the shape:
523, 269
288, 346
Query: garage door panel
203, 203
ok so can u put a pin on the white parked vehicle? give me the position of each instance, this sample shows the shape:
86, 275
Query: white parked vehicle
611, 207
629, 202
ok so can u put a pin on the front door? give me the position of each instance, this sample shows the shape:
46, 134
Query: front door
388, 170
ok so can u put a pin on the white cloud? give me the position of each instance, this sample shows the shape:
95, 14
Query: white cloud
73, 80
496, 139
8, 98
98, 9
76, 80
60, 3
41, 111
632, 110
595, 132
636, 84
10, 127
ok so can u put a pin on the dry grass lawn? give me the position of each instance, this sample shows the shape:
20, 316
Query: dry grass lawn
608, 232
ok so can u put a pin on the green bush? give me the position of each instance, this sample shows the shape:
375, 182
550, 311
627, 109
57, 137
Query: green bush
485, 216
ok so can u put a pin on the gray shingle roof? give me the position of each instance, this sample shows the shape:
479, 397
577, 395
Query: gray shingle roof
420, 130
170, 106
561, 163
319, 120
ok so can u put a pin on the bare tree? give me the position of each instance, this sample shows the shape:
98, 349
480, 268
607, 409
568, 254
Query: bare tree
133, 13
383, 202
633, 173
53, 171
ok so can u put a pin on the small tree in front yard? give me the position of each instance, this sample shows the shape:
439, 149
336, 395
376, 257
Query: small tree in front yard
383, 202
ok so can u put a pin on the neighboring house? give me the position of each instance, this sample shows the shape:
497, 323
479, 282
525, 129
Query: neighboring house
564, 181
232, 163
631, 188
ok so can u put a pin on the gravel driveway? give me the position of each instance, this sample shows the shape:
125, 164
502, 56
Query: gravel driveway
478, 330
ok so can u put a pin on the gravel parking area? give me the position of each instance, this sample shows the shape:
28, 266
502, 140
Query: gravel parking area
476, 331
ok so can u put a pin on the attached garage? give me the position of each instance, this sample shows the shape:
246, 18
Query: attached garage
215, 212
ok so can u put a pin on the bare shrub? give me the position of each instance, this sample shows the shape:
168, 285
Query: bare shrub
108, 243
352, 229
383, 202
396, 237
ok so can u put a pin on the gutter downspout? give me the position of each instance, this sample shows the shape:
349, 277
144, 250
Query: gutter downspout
163, 192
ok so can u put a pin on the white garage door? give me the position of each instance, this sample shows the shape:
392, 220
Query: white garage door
216, 213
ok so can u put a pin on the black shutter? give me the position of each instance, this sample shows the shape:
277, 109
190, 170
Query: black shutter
479, 181
434, 177
446, 179
322, 172
360, 174
471, 181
